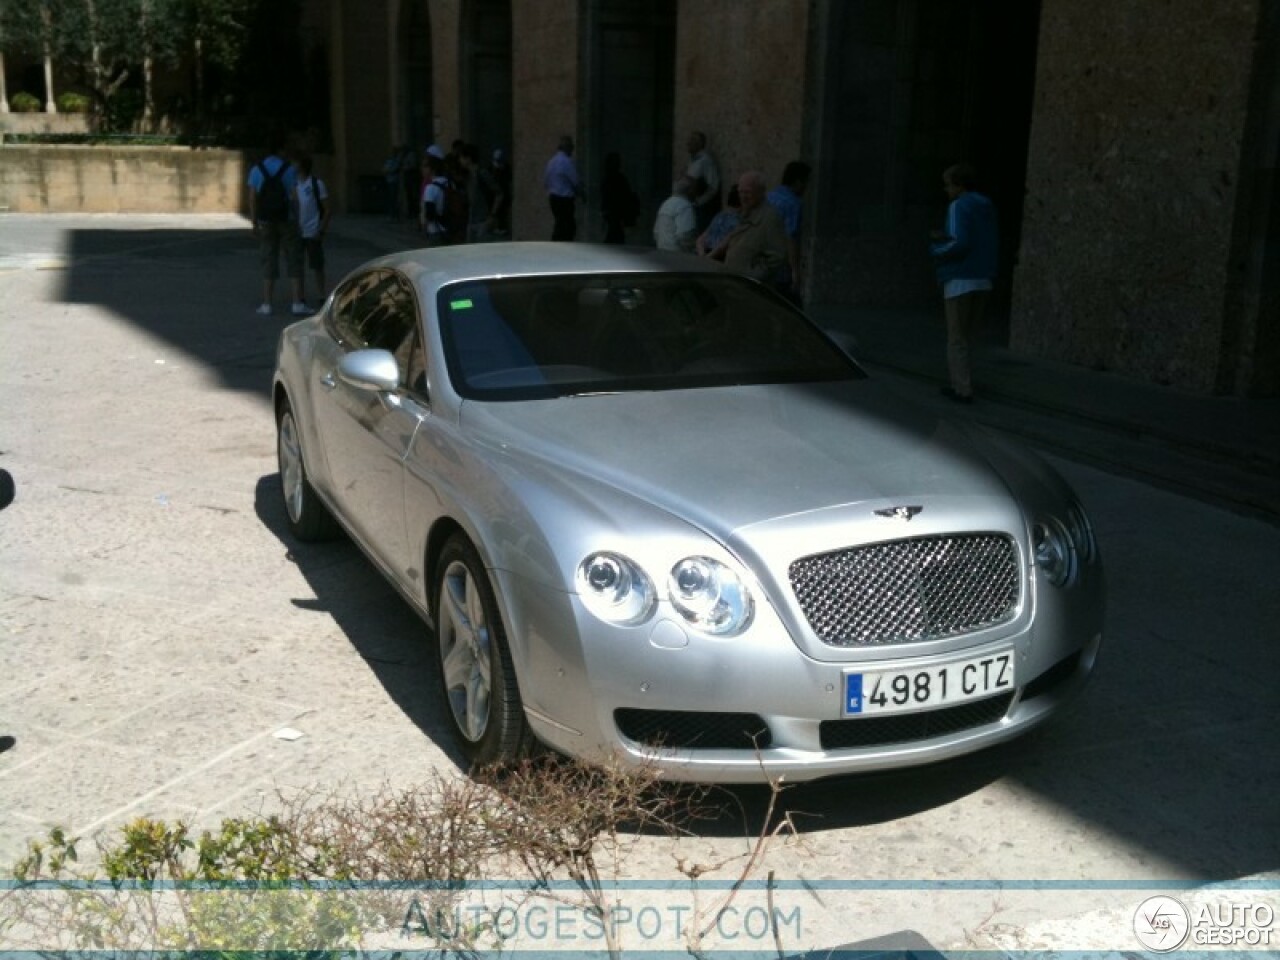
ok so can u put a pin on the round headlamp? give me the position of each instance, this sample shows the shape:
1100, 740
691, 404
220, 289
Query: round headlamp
615, 589
710, 596
1055, 554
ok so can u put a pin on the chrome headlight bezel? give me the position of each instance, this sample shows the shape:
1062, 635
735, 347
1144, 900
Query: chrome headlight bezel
615, 588
710, 596
1054, 551
1080, 531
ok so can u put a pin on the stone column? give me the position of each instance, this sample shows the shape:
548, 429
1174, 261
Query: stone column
1132, 175
545, 40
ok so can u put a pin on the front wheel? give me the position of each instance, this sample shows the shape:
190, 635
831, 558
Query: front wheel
309, 519
476, 674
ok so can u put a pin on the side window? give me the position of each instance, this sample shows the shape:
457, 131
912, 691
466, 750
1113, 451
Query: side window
376, 310
349, 305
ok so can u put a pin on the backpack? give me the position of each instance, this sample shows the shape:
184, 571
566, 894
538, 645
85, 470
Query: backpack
273, 199
454, 216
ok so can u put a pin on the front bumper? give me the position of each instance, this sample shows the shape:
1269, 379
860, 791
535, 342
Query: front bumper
755, 707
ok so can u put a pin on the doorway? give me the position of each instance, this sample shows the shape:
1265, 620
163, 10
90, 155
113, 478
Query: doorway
630, 101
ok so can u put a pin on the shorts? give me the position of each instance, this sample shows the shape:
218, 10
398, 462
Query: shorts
272, 236
313, 249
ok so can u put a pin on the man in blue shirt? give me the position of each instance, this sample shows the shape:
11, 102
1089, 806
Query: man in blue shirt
563, 188
966, 257
788, 200
272, 182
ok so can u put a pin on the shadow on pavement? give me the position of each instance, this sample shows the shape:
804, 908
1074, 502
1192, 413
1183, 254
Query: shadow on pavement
195, 290
382, 628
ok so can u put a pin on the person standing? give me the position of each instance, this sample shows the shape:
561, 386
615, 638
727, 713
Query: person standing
619, 204
676, 226
704, 173
500, 213
391, 179
722, 224
314, 211
757, 247
433, 207
966, 258
788, 199
274, 217
560, 179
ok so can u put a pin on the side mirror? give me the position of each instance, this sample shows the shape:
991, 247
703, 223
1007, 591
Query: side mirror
370, 370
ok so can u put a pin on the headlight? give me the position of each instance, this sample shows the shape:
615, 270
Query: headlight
615, 589
1080, 530
1054, 552
710, 596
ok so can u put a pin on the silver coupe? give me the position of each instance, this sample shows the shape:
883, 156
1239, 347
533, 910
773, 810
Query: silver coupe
652, 511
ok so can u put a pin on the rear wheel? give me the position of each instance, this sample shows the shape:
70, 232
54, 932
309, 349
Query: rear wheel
309, 519
475, 664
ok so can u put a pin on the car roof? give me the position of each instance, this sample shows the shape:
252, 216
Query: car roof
434, 267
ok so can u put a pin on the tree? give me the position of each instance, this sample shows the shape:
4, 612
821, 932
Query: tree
217, 32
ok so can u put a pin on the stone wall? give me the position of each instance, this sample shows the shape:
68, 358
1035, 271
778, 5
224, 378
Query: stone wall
69, 179
446, 77
1131, 184
546, 81
361, 92
44, 123
740, 77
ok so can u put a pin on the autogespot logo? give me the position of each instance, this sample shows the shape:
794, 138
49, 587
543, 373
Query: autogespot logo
1161, 924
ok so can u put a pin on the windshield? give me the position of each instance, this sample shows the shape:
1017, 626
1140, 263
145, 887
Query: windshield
535, 337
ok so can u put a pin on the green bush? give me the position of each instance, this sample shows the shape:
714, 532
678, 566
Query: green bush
71, 102
124, 110
23, 102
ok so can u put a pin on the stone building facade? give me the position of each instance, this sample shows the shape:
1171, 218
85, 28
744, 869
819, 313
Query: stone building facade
1131, 148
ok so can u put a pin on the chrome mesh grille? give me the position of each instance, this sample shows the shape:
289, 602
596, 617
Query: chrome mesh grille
907, 591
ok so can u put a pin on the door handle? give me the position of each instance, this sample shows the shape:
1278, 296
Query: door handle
328, 381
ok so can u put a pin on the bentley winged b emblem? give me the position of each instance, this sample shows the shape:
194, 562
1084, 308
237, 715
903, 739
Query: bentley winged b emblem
899, 513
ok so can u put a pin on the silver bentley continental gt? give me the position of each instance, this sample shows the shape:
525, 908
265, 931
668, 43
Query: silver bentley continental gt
652, 511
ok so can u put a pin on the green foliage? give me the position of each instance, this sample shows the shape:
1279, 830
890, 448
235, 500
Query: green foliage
219, 28
71, 102
123, 110
23, 102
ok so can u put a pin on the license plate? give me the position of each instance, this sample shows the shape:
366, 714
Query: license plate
923, 688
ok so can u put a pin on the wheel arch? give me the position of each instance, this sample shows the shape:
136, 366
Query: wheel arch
440, 534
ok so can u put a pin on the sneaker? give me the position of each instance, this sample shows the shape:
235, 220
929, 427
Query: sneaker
264, 310
300, 309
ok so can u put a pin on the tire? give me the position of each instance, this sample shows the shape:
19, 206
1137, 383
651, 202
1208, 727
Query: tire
308, 518
476, 674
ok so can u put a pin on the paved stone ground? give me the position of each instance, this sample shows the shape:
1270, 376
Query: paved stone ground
158, 629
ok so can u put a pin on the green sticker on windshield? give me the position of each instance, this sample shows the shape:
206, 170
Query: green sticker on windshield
461, 304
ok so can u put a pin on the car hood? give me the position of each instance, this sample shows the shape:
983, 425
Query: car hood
730, 457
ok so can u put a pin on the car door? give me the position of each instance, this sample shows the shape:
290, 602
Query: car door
365, 433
